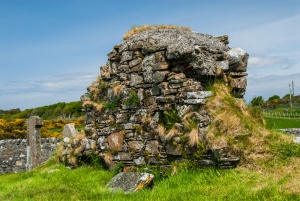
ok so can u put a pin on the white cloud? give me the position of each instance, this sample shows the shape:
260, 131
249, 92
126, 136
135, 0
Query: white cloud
46, 90
262, 61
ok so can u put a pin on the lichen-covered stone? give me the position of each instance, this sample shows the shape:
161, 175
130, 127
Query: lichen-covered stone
130, 181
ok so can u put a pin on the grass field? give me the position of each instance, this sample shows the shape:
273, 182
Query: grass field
277, 181
274, 123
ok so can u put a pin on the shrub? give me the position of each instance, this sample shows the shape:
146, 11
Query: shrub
133, 99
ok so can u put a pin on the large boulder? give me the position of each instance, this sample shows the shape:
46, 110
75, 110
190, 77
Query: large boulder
130, 181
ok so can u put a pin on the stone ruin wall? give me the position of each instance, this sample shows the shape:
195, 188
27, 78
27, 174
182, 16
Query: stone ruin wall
146, 79
13, 153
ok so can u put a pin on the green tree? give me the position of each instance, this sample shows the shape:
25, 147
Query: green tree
274, 98
257, 101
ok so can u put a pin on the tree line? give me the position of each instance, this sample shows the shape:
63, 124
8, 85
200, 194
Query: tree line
59, 110
274, 101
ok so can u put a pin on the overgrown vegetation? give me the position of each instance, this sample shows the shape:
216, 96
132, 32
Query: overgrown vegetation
240, 128
139, 29
133, 99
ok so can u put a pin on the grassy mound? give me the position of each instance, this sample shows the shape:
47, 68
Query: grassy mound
241, 129
139, 29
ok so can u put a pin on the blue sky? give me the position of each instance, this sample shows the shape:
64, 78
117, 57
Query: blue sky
50, 51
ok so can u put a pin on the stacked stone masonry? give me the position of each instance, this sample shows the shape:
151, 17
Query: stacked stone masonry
148, 80
13, 153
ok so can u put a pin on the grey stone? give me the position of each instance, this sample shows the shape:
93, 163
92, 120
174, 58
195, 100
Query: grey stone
135, 62
122, 156
123, 76
123, 68
141, 94
138, 115
239, 83
199, 94
195, 101
155, 90
126, 56
173, 150
147, 67
128, 126
182, 110
120, 118
174, 86
224, 65
102, 143
169, 91
152, 147
190, 88
135, 146
69, 130
159, 76
165, 99
238, 59
139, 161
135, 79
150, 101
130, 181
206, 163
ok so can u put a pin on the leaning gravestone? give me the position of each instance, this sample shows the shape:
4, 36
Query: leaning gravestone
69, 130
130, 181
34, 125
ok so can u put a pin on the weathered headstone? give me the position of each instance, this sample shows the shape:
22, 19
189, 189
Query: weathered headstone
69, 130
34, 125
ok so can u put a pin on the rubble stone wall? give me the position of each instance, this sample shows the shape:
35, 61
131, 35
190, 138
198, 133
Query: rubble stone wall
147, 105
13, 153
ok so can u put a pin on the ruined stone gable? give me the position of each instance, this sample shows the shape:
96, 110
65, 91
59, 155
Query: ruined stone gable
147, 105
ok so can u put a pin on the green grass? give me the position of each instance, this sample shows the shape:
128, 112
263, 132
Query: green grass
282, 123
87, 183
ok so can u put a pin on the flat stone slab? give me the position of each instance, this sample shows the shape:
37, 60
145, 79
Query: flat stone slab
130, 181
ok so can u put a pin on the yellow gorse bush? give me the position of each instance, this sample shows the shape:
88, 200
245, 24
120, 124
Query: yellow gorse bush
51, 128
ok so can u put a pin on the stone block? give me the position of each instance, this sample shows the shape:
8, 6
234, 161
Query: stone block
195, 101
152, 147
135, 79
126, 56
135, 62
115, 141
159, 76
173, 150
135, 146
239, 83
199, 94
238, 59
